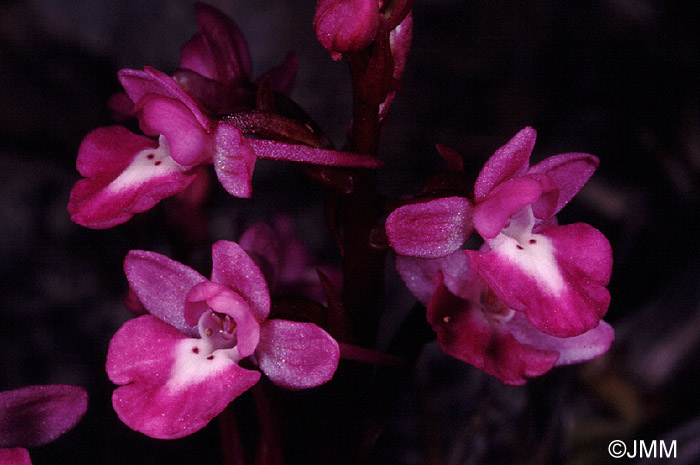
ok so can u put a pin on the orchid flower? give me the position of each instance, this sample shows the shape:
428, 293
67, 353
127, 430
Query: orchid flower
555, 274
127, 174
32, 416
180, 365
475, 326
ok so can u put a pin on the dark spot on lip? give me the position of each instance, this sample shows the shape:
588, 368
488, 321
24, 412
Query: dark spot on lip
150, 156
533, 241
195, 350
211, 357
520, 247
157, 163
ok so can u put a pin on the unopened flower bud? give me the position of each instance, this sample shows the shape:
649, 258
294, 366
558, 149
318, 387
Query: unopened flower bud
346, 25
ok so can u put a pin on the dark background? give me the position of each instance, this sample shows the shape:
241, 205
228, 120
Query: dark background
616, 78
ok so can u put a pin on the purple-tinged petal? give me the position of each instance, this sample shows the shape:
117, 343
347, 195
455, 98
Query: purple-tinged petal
346, 25
125, 174
162, 285
466, 333
304, 154
508, 161
233, 268
138, 84
569, 172
557, 278
419, 274
15, 456
190, 143
223, 47
234, 161
208, 295
296, 355
430, 229
493, 213
587, 346
169, 386
32, 416
283, 77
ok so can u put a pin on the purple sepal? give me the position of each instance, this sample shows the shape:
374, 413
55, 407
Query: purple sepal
162, 285
511, 160
296, 355
32, 416
234, 161
430, 229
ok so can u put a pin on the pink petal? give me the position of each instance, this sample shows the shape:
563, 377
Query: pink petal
15, 456
233, 268
224, 47
419, 274
346, 25
587, 346
190, 143
234, 160
296, 355
208, 295
559, 281
569, 172
138, 84
508, 161
464, 332
492, 214
127, 174
162, 285
32, 416
304, 154
430, 229
169, 387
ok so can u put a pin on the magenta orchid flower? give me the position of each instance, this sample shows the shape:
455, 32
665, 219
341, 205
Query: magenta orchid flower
127, 174
32, 416
179, 366
556, 275
475, 326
